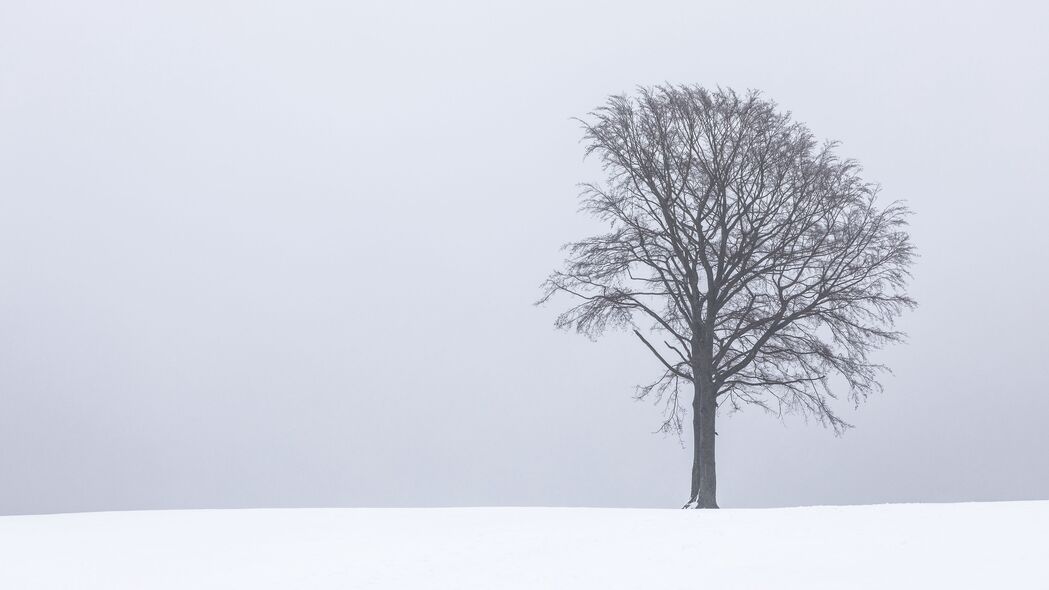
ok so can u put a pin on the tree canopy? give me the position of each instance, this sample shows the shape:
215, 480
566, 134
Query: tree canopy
753, 262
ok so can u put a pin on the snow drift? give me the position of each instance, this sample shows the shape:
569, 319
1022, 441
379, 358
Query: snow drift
987, 545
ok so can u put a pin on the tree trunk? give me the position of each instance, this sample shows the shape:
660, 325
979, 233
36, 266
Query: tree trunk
704, 475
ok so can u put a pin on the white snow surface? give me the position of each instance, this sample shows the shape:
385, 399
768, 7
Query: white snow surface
977, 545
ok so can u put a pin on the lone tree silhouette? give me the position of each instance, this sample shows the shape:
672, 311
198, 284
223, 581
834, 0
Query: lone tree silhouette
746, 256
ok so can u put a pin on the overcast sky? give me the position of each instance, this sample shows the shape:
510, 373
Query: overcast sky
258, 254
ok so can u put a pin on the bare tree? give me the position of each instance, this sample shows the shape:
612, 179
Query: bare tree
751, 261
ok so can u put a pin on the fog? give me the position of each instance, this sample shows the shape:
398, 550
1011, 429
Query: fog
261, 254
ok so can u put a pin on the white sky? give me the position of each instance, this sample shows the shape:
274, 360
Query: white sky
258, 254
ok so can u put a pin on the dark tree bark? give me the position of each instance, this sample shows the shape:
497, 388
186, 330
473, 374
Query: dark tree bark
704, 408
751, 262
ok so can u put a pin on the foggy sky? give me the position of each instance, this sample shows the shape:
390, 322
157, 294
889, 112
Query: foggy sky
261, 254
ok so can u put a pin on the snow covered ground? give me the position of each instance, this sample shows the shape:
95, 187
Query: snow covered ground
987, 545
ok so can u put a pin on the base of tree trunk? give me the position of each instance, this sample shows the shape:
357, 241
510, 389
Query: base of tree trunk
696, 505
